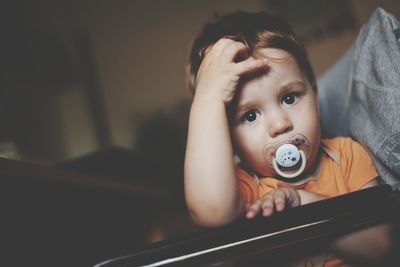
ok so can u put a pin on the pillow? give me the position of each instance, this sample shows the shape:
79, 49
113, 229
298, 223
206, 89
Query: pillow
360, 94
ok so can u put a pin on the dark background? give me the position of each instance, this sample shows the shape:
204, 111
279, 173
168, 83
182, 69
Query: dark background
95, 91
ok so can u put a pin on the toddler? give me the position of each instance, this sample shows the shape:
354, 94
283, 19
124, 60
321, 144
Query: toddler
255, 97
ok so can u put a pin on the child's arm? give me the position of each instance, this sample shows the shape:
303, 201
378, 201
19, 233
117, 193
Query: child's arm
371, 245
210, 182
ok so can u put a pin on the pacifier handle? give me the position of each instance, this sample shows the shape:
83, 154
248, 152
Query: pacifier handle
291, 175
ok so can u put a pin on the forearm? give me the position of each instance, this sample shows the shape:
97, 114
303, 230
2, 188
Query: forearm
210, 184
372, 245
308, 197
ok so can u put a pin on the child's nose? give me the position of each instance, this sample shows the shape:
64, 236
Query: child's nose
279, 123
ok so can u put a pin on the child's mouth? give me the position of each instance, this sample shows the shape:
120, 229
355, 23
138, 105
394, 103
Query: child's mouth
287, 157
299, 140
289, 161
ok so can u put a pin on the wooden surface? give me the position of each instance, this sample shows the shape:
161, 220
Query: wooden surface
56, 218
26, 170
288, 236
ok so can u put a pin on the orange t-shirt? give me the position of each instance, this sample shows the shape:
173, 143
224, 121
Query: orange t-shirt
345, 167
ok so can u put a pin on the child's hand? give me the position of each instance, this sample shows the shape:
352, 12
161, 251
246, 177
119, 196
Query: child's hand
277, 200
225, 62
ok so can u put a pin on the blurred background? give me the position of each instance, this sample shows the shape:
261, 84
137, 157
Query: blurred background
97, 87
79, 76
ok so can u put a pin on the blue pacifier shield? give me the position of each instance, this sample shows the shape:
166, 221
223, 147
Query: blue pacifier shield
287, 155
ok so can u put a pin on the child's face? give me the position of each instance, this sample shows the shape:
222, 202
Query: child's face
276, 107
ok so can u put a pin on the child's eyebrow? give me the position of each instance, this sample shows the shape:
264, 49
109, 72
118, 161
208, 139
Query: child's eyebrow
292, 84
244, 106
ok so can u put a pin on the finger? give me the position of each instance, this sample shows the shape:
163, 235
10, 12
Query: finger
253, 210
251, 65
236, 51
268, 205
226, 47
216, 49
251, 213
292, 196
280, 200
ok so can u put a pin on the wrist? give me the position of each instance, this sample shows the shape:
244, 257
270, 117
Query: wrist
217, 92
208, 99
308, 197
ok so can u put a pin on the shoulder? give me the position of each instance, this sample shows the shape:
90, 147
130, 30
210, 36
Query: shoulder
346, 151
341, 144
338, 141
356, 162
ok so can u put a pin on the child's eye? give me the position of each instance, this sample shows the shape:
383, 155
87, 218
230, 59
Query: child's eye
290, 99
249, 116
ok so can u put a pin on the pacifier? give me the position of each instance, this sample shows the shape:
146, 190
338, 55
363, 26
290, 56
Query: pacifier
287, 156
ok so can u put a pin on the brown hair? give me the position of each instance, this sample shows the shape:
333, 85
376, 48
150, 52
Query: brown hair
255, 30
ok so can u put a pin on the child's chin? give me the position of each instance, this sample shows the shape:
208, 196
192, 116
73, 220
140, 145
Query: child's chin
268, 173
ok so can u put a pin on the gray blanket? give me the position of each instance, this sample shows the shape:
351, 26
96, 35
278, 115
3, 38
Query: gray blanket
360, 94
